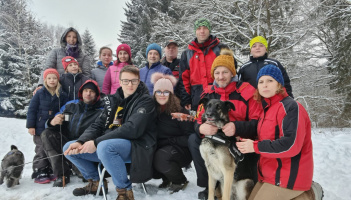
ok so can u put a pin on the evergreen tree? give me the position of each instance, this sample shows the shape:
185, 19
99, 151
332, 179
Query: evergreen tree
89, 47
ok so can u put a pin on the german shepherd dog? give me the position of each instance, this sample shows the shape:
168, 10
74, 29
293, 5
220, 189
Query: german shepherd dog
219, 161
12, 167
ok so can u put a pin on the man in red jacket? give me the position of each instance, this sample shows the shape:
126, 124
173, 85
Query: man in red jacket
195, 64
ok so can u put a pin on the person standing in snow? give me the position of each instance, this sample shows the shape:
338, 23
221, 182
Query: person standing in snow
44, 104
258, 59
195, 64
98, 74
285, 167
111, 79
153, 55
71, 45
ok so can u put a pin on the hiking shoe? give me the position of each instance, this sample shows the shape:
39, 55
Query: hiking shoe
91, 188
176, 187
317, 190
165, 184
124, 194
59, 181
203, 195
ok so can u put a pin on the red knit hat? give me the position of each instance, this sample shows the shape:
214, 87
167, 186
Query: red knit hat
124, 47
68, 60
51, 71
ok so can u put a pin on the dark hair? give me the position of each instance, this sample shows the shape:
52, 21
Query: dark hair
172, 105
130, 69
259, 98
102, 48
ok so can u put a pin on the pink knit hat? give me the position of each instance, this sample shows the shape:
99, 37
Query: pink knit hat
51, 71
163, 82
124, 47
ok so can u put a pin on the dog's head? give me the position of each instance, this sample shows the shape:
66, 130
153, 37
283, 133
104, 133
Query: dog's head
12, 167
216, 111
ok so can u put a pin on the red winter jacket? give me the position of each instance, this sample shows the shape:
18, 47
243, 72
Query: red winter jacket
284, 144
195, 70
247, 110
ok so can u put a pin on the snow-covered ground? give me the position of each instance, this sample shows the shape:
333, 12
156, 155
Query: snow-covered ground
332, 169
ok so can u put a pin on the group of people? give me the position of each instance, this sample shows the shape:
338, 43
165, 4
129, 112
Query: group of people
120, 116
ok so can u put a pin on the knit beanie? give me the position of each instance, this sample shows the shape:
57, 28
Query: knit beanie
124, 47
68, 60
273, 71
90, 85
259, 39
51, 71
202, 22
154, 46
163, 82
225, 59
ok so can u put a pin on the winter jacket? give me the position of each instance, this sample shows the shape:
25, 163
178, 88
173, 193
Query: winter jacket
138, 126
173, 132
247, 110
54, 58
146, 72
284, 144
195, 69
82, 115
43, 106
248, 71
174, 67
71, 84
111, 80
98, 74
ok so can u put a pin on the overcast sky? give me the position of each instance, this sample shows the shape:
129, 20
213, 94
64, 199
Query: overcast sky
102, 17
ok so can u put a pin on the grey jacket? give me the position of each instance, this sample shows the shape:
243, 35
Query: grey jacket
98, 74
54, 58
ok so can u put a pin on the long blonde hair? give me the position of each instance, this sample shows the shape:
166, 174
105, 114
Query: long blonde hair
53, 92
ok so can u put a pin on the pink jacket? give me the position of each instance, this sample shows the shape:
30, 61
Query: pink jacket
111, 80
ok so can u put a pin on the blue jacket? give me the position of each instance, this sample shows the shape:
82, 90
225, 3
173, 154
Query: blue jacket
42, 107
146, 72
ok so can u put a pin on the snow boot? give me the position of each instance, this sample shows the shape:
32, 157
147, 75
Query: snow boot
91, 188
317, 191
59, 181
165, 184
124, 194
176, 187
41, 176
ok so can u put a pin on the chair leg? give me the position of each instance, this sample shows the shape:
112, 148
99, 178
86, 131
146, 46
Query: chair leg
101, 182
144, 188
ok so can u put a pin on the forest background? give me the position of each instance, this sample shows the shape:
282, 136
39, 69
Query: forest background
311, 38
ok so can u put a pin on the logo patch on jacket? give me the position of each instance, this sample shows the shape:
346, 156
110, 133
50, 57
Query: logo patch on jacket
141, 110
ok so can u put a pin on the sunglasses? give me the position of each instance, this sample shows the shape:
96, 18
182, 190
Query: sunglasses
70, 59
133, 81
164, 93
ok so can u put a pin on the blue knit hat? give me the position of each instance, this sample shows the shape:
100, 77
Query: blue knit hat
154, 46
273, 71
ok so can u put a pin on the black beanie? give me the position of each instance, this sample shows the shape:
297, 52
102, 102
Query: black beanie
91, 86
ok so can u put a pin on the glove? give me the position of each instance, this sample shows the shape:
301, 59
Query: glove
238, 156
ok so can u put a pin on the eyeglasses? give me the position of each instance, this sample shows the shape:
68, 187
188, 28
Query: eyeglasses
133, 81
164, 93
70, 59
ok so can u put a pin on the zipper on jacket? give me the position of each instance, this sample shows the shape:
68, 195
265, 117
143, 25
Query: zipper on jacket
74, 86
69, 91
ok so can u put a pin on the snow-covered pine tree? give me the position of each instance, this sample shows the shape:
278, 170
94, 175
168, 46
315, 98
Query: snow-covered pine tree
89, 47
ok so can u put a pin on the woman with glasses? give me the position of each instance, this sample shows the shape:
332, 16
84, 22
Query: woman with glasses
71, 45
172, 151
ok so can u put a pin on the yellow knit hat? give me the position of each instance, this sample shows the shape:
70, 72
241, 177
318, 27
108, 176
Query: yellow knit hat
225, 59
259, 39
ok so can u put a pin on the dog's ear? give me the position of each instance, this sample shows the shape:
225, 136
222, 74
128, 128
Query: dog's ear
203, 101
229, 105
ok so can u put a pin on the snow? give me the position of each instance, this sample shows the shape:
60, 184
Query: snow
332, 164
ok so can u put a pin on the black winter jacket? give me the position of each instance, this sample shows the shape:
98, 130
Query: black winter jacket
248, 71
138, 126
42, 107
174, 66
71, 84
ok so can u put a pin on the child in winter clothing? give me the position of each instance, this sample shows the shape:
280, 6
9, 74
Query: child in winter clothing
258, 59
98, 74
44, 104
73, 78
111, 80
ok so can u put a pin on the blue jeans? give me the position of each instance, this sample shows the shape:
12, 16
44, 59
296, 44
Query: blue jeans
113, 154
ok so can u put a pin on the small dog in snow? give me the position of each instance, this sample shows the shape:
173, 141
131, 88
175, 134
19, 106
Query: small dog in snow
11, 167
